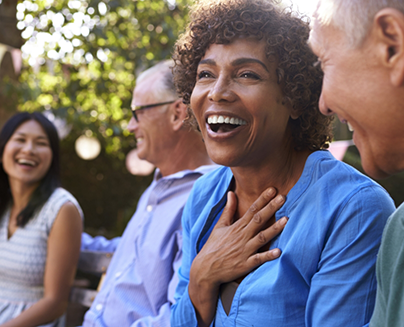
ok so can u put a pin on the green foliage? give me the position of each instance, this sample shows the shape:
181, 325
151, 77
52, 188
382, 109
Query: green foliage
86, 74
83, 56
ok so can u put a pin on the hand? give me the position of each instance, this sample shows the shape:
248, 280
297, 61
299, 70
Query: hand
231, 250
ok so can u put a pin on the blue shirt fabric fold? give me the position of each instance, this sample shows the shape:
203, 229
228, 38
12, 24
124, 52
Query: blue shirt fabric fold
140, 282
326, 273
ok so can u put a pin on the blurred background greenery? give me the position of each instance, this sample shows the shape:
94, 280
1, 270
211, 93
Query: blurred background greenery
79, 62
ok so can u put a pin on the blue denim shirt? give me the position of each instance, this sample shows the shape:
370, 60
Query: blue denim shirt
325, 276
140, 282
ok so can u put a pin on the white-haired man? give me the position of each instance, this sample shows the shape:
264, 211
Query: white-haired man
360, 44
140, 282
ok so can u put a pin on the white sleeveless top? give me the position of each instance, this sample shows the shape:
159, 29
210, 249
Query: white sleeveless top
23, 258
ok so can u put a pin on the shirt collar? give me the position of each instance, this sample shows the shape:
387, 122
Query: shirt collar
180, 174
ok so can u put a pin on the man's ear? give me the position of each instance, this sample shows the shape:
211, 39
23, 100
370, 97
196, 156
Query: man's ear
178, 114
388, 26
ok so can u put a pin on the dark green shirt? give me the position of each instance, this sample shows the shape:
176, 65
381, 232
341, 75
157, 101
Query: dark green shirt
389, 307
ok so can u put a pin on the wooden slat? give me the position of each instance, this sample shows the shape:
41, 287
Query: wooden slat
82, 296
94, 262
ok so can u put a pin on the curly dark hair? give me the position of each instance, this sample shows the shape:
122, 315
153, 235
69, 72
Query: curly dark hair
285, 35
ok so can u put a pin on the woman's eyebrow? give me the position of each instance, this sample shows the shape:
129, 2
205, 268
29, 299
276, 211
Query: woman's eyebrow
241, 61
37, 137
236, 62
207, 62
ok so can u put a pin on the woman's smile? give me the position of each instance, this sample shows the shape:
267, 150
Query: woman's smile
237, 102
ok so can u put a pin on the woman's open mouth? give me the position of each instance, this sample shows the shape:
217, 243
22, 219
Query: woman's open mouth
224, 124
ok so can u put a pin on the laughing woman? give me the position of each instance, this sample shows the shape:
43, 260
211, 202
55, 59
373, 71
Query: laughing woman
248, 76
40, 225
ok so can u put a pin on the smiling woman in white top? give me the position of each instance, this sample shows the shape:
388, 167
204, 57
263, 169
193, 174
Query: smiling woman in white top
40, 225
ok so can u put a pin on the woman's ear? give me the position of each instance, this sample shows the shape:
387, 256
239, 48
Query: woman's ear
388, 29
178, 114
294, 114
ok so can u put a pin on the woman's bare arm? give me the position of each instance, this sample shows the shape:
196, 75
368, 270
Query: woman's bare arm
61, 263
231, 251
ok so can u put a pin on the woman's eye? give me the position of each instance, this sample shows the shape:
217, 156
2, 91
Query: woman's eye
19, 139
249, 75
204, 74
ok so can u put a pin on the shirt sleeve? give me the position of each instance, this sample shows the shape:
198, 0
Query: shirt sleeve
342, 291
162, 319
183, 312
389, 308
98, 243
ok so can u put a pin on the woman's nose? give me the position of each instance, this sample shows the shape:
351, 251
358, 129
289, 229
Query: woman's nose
221, 90
28, 146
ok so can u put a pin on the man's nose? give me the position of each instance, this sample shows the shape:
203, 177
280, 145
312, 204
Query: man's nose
325, 110
132, 126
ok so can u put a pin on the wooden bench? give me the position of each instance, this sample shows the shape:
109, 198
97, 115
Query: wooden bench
91, 267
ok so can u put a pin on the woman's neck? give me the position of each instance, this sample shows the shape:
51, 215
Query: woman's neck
21, 194
280, 172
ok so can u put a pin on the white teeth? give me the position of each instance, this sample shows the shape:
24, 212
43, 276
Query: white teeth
350, 127
26, 162
214, 119
139, 139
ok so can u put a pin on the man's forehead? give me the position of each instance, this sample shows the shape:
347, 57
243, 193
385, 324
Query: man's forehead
325, 38
315, 40
143, 92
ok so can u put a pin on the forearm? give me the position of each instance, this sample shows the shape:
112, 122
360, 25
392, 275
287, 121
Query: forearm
204, 296
42, 312
98, 243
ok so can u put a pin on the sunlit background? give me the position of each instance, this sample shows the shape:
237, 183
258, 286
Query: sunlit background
62, 42
76, 61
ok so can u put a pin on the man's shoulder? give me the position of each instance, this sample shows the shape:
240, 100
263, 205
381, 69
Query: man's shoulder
395, 226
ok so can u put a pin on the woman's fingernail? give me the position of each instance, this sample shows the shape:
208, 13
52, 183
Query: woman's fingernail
279, 199
283, 221
271, 192
276, 253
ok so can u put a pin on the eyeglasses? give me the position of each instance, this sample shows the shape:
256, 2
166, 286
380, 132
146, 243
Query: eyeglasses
147, 106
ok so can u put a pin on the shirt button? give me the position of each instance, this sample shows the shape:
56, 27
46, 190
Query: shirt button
118, 274
149, 208
98, 307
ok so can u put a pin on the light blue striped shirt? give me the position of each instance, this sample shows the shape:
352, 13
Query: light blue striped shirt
140, 281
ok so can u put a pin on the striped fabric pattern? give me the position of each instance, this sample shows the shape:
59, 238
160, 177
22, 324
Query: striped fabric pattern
23, 257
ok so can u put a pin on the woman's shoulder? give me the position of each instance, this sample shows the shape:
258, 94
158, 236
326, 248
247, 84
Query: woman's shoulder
209, 188
215, 180
56, 201
324, 167
341, 181
59, 197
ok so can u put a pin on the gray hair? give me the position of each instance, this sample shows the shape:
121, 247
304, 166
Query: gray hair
353, 17
164, 89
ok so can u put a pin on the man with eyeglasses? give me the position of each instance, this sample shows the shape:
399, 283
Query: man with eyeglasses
140, 282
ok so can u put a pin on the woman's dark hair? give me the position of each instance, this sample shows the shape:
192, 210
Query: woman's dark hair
50, 181
223, 21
